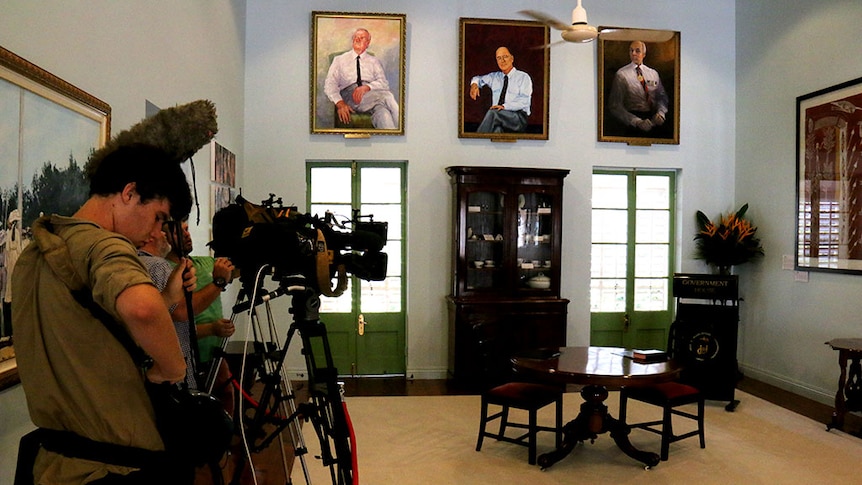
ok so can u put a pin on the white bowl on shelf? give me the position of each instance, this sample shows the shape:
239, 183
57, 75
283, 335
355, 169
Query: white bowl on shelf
540, 282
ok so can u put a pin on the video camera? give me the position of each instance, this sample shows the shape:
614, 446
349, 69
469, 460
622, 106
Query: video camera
293, 244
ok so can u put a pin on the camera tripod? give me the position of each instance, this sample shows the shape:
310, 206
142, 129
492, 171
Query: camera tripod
264, 418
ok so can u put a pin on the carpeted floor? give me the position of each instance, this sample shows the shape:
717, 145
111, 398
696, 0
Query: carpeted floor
431, 439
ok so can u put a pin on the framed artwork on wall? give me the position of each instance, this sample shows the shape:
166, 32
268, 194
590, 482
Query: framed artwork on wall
223, 169
638, 84
48, 129
498, 53
357, 73
829, 179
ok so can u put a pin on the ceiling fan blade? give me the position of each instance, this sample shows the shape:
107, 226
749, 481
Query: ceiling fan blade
548, 46
646, 35
546, 19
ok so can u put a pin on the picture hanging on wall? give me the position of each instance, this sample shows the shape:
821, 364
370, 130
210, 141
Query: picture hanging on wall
638, 85
223, 165
357, 73
504, 75
48, 129
829, 179
223, 169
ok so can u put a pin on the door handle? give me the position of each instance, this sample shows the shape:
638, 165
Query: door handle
626, 323
361, 323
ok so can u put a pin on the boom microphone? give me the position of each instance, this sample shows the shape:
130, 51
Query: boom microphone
180, 131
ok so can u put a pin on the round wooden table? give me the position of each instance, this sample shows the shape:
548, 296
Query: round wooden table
596, 368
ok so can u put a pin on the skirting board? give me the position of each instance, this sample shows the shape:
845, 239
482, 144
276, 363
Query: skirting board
419, 374
822, 396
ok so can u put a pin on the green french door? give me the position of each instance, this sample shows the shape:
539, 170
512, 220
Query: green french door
631, 261
366, 325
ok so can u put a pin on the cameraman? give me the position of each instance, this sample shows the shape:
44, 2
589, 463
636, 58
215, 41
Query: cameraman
79, 281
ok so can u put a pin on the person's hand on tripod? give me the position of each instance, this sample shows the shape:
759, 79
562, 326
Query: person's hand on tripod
223, 328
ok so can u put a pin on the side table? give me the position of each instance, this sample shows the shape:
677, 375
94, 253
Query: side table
849, 395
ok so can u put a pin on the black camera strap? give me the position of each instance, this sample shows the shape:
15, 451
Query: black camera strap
177, 230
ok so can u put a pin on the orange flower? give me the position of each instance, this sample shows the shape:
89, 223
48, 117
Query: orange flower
730, 242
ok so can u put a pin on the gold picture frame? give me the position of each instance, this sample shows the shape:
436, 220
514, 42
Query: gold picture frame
526, 42
48, 128
331, 38
614, 125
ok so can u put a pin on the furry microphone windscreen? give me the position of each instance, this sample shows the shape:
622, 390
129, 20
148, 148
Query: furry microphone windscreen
180, 131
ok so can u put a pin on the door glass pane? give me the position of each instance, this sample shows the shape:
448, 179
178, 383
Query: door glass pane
651, 260
331, 184
651, 294
380, 184
389, 213
610, 226
608, 261
381, 296
340, 211
648, 272
610, 191
653, 192
652, 226
339, 304
608, 295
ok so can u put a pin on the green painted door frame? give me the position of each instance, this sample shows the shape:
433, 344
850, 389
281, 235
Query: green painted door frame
366, 326
641, 312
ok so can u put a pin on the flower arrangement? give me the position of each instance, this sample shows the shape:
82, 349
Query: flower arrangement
730, 242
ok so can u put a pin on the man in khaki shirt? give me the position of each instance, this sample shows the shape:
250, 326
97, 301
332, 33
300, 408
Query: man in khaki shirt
78, 379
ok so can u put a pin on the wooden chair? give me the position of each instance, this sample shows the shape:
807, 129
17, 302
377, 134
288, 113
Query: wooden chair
668, 396
525, 396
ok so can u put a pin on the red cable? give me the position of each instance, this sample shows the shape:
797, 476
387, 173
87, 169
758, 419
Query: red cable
249, 398
353, 457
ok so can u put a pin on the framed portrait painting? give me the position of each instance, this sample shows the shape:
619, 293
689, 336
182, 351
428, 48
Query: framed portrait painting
48, 129
638, 84
829, 179
357, 73
504, 79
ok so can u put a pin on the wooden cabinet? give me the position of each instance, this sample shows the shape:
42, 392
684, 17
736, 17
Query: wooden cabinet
506, 269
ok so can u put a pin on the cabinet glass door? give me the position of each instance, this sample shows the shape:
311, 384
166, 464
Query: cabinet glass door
484, 242
534, 245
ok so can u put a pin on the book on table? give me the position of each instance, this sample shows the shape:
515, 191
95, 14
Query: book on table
649, 355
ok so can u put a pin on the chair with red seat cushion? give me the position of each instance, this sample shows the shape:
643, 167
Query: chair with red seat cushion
526, 396
668, 396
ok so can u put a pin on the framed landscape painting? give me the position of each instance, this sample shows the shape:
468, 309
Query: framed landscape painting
48, 129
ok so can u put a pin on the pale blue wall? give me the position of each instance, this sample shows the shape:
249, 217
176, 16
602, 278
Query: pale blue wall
786, 49
278, 141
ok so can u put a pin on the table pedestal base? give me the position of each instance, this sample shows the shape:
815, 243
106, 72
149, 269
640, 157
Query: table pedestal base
592, 421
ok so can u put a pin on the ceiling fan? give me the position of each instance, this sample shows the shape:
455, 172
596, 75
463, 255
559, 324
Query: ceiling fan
580, 31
